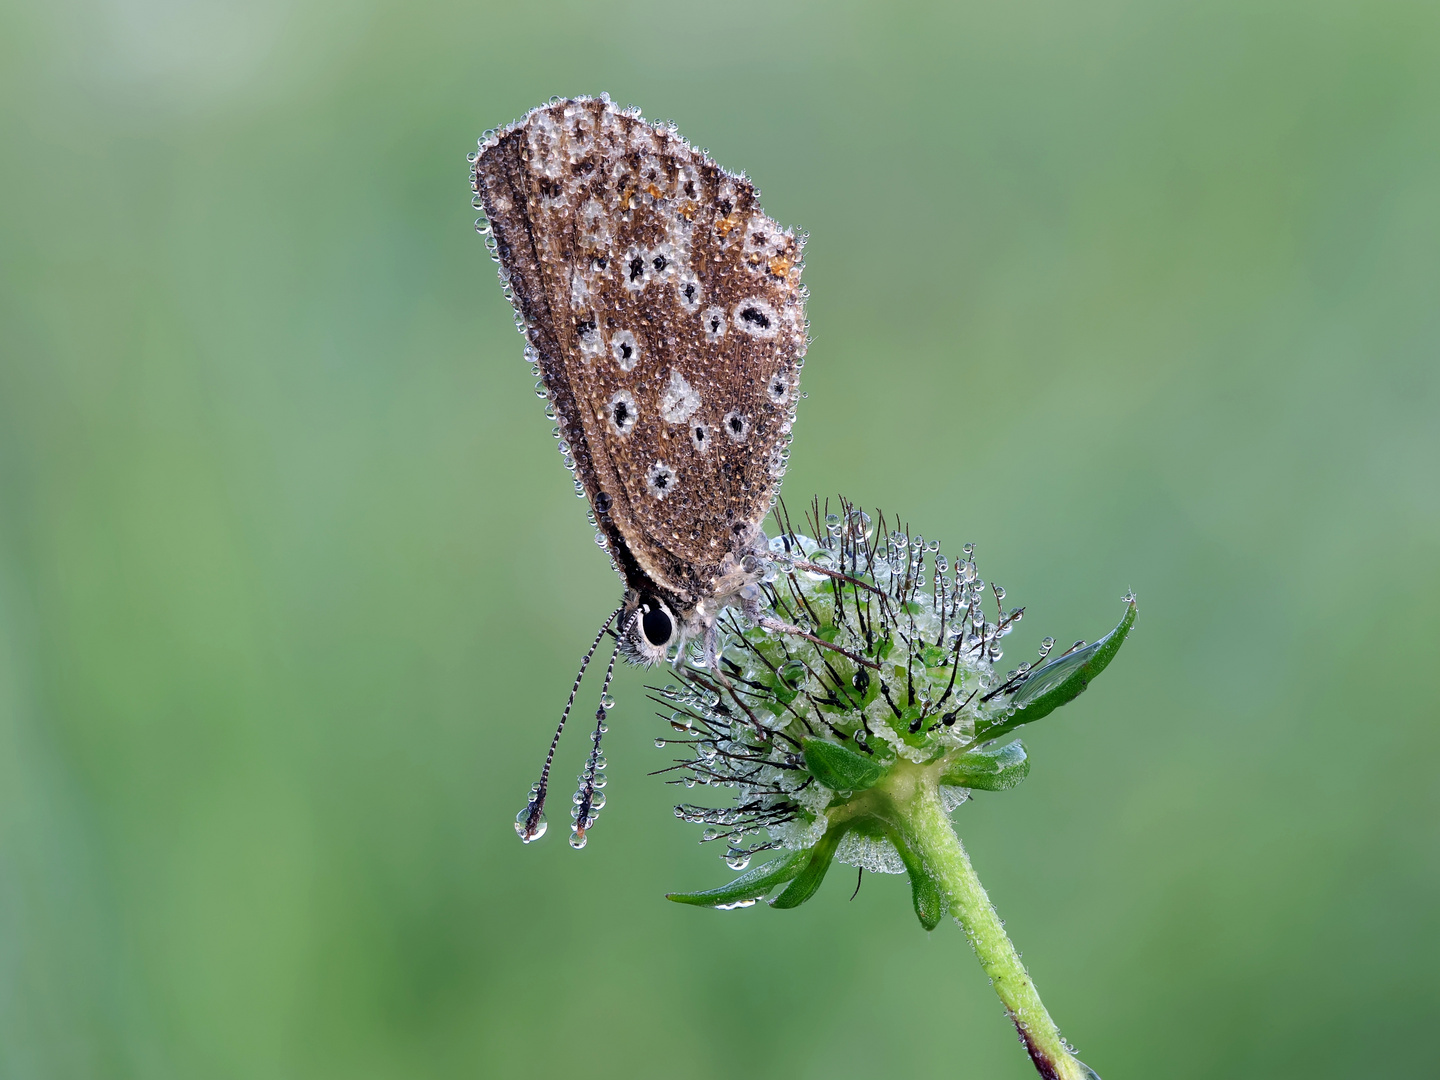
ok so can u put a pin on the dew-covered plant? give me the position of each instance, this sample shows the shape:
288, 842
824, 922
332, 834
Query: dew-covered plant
852, 734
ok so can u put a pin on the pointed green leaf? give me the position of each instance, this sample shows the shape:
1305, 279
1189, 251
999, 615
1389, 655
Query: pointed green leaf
929, 904
749, 885
808, 880
924, 889
1062, 680
840, 768
989, 770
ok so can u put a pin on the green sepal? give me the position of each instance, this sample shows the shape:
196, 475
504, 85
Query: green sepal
932, 656
924, 889
921, 735
840, 768
1061, 681
750, 885
808, 880
989, 770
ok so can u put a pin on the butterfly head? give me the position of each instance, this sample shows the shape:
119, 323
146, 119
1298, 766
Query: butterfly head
648, 628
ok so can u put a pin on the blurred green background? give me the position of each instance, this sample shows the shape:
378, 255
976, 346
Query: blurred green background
293, 584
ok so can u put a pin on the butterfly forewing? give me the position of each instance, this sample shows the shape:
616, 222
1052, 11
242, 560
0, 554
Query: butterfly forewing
668, 317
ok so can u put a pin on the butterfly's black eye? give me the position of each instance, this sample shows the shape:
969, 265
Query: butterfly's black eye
658, 262
656, 624
637, 268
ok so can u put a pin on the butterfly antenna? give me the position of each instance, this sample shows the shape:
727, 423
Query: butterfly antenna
530, 822
588, 798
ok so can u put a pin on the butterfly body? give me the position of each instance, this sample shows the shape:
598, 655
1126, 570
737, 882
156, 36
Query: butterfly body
666, 318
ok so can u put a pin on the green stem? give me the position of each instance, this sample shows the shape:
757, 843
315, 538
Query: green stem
928, 829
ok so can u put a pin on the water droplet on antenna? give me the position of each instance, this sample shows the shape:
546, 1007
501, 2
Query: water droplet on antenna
523, 828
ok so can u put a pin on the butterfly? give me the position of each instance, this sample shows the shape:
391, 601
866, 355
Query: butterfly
664, 313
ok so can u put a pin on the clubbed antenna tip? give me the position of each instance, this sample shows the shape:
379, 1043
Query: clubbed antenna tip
530, 822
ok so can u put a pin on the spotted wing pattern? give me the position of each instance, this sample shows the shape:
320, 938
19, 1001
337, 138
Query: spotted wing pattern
667, 316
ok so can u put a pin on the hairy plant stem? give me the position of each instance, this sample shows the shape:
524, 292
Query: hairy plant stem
910, 801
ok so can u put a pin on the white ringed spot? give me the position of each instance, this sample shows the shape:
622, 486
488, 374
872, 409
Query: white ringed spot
625, 350
660, 479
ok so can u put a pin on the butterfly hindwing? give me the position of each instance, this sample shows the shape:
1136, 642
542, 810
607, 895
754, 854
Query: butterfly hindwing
668, 318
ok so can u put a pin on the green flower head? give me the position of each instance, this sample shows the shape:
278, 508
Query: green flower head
887, 678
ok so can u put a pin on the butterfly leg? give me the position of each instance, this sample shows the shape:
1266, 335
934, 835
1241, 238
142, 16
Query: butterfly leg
779, 626
750, 605
711, 651
711, 648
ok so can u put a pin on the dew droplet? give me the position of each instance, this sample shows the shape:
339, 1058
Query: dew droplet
793, 672
522, 825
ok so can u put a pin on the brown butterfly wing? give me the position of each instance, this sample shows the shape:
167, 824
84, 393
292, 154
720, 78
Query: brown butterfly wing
668, 318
